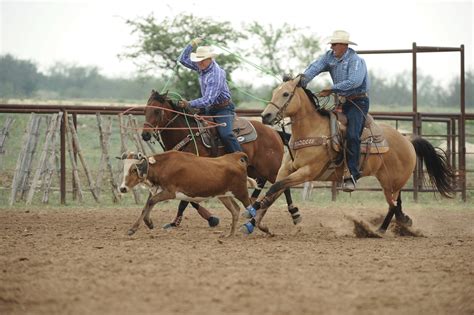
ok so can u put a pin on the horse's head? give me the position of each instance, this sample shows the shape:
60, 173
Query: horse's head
155, 115
283, 103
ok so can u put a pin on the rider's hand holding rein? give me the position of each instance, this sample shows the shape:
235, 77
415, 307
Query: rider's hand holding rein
325, 92
183, 104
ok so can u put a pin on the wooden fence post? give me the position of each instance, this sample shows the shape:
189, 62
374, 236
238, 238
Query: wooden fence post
77, 145
4, 132
116, 196
75, 173
41, 163
23, 165
51, 162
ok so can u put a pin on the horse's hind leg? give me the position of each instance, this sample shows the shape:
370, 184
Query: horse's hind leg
397, 211
392, 209
206, 214
401, 217
179, 215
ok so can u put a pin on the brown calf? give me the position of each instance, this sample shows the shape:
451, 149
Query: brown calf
185, 176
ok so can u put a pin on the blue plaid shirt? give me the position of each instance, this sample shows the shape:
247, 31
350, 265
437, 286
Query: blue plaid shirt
349, 74
214, 88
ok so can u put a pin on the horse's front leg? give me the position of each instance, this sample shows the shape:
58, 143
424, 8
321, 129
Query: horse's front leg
150, 203
298, 177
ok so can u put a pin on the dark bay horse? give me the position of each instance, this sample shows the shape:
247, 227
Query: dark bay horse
166, 121
311, 125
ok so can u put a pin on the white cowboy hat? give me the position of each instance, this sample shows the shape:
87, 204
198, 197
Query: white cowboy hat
339, 37
202, 52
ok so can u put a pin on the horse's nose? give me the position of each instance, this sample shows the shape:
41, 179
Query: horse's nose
146, 136
266, 119
123, 189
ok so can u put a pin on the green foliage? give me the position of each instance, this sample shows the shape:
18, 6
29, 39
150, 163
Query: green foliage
281, 50
18, 78
161, 43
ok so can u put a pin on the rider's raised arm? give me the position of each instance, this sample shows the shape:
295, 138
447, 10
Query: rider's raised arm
185, 58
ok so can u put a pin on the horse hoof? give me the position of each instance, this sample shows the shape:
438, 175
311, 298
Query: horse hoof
405, 221
213, 221
150, 225
381, 231
131, 232
408, 221
297, 220
169, 226
247, 228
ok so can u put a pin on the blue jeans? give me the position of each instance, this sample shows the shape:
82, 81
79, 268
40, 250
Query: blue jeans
225, 132
355, 112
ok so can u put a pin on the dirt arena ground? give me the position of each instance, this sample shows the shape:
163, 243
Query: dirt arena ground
80, 261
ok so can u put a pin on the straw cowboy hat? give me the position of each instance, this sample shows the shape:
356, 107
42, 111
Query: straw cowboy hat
339, 37
202, 52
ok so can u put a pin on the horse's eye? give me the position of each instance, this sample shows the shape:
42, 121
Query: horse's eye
286, 94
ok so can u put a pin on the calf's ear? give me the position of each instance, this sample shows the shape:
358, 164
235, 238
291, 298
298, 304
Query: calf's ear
122, 157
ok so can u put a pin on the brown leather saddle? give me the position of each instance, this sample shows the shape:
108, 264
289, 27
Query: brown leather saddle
243, 130
372, 138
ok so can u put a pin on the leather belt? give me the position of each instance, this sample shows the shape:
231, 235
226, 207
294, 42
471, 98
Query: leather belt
343, 99
222, 105
356, 96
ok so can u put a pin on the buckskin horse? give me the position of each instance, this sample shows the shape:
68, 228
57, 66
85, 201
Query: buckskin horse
315, 158
176, 129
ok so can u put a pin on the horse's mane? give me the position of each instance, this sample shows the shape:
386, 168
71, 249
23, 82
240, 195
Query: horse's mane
162, 98
315, 102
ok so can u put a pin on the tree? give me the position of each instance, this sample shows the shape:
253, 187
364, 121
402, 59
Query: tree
18, 78
285, 49
161, 43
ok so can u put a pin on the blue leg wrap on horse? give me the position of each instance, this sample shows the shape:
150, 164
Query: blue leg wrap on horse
251, 210
249, 227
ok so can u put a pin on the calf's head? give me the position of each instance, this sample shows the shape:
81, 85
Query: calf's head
135, 170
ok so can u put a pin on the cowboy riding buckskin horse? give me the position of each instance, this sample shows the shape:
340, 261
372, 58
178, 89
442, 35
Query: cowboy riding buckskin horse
314, 156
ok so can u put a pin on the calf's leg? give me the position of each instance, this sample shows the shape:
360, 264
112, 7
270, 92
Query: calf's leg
234, 209
152, 200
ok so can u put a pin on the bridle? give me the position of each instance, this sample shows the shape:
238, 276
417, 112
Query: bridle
281, 109
156, 131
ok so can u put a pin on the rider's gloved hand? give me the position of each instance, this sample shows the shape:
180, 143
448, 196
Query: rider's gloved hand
325, 92
183, 104
196, 41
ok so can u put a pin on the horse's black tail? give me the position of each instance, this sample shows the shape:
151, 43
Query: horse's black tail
441, 174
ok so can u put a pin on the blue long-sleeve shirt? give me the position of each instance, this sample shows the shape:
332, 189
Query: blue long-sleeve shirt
214, 88
349, 74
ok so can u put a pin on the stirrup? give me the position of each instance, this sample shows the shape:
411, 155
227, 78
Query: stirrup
349, 184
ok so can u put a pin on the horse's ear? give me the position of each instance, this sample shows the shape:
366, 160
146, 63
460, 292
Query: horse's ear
287, 77
301, 80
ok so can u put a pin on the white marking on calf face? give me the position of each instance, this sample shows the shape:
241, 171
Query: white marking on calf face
127, 164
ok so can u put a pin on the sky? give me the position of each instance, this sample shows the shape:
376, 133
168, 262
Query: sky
93, 32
